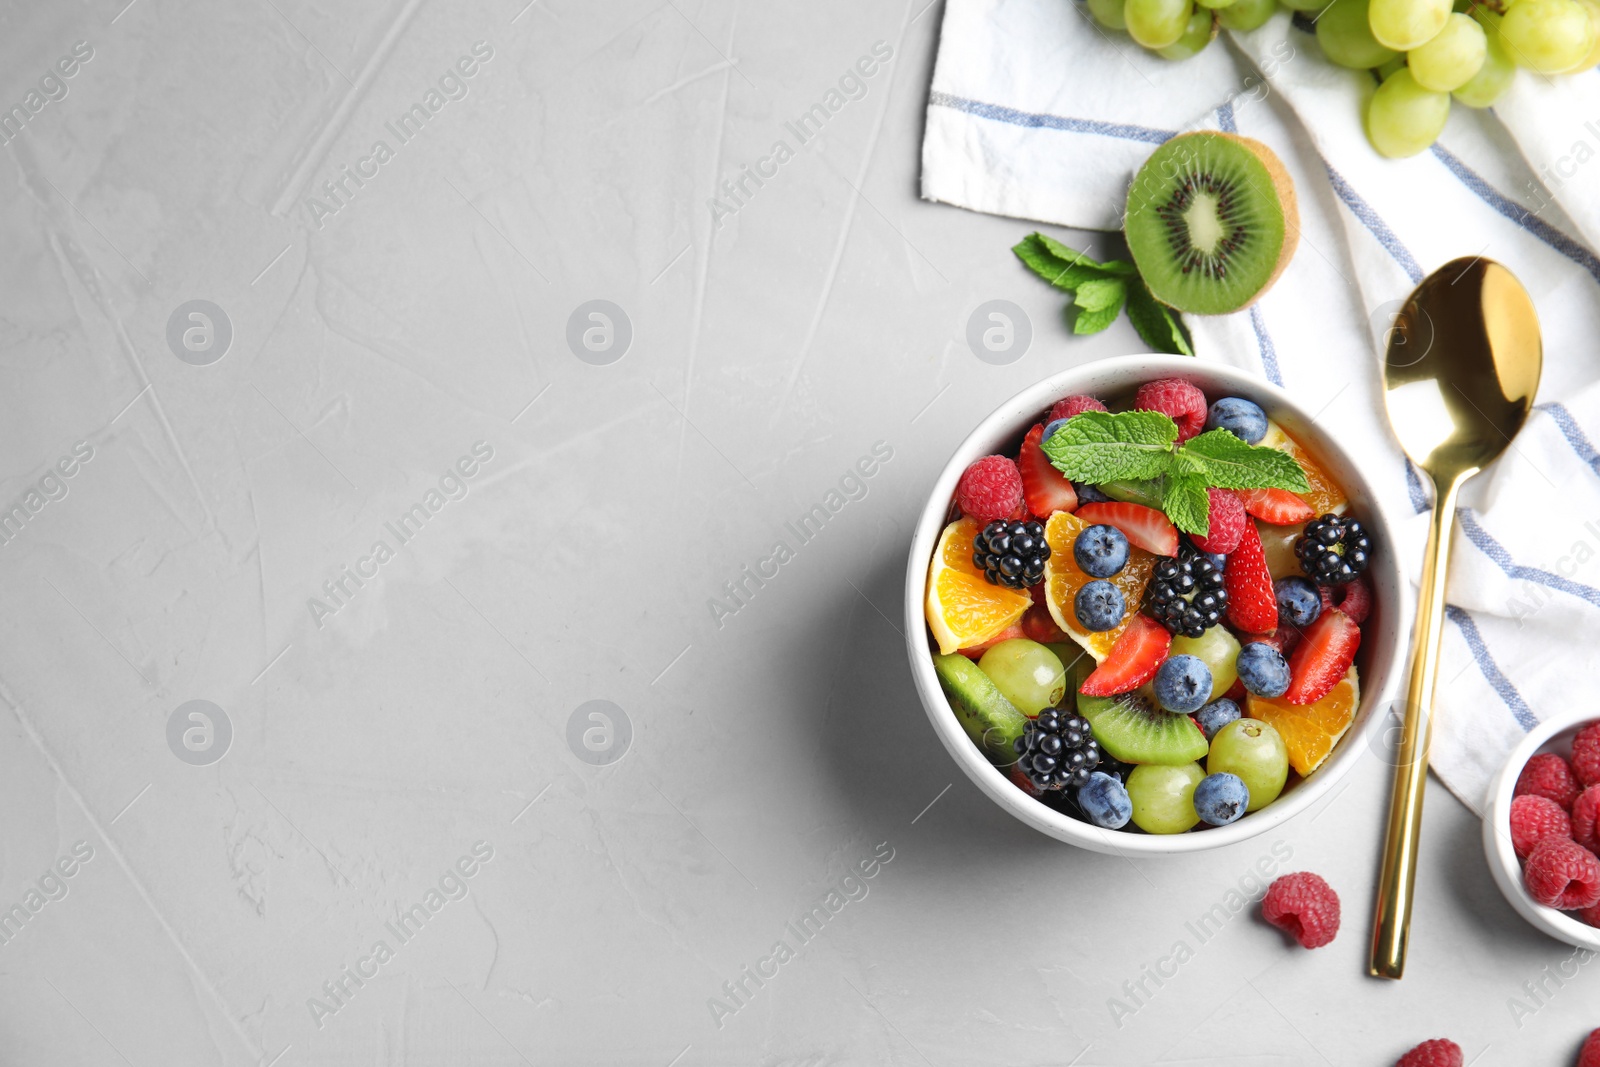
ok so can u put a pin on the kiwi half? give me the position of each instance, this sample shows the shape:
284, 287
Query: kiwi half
1212, 222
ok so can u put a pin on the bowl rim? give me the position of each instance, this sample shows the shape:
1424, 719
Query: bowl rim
1119, 373
1502, 858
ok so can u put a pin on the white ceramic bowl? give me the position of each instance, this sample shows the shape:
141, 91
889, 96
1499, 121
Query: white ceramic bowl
1553, 735
1384, 634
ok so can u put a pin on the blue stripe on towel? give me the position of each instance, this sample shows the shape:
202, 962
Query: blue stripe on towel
1124, 130
1369, 218
1225, 118
1269, 354
1497, 552
1419, 494
1517, 213
1491, 670
1573, 433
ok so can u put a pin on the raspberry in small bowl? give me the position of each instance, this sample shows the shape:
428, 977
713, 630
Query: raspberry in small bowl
1541, 828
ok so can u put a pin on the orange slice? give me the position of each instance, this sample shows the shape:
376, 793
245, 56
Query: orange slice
963, 608
1310, 731
1325, 495
1063, 579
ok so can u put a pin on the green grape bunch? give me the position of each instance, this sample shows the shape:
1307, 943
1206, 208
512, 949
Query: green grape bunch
1423, 53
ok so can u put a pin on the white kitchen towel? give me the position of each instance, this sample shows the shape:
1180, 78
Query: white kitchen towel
1037, 113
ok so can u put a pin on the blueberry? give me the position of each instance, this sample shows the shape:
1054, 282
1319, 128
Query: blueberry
1221, 798
1050, 428
1089, 494
1242, 418
1099, 606
1215, 715
1183, 684
1299, 603
1105, 801
1101, 551
1262, 669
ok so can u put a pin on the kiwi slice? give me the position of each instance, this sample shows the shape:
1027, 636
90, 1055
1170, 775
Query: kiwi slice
1211, 222
992, 721
1131, 728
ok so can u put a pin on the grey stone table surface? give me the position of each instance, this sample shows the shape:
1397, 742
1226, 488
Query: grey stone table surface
396, 502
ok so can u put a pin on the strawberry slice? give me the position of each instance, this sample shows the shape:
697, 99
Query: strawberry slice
1132, 661
1251, 605
1322, 658
1045, 489
1039, 625
1145, 527
1276, 506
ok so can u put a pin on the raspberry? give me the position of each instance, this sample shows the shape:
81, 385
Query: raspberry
1352, 598
1534, 818
1181, 401
1563, 874
1226, 523
1586, 754
1548, 775
1440, 1052
1589, 1055
1305, 906
1074, 405
1585, 814
991, 489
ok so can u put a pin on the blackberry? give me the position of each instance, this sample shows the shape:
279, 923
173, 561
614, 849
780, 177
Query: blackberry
1057, 750
1186, 594
1011, 553
1333, 550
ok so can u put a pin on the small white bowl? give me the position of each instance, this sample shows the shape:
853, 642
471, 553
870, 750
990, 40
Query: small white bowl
1553, 735
1383, 638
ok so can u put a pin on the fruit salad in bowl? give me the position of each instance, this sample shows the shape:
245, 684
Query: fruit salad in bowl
1151, 606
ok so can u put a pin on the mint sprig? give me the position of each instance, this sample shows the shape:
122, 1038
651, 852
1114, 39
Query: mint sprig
1099, 447
1101, 291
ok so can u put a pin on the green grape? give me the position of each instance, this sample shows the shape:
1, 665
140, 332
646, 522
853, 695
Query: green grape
1588, 62
1498, 70
1158, 23
1312, 6
1219, 650
1346, 38
1202, 27
1108, 13
1163, 797
1450, 60
1547, 36
1216, 5
1245, 15
1407, 24
1254, 751
1026, 673
1403, 118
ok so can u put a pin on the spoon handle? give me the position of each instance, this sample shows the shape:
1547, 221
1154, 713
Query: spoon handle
1398, 876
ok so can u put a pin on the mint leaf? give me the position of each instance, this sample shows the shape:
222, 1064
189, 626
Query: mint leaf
1157, 324
1187, 503
1120, 267
1061, 251
1063, 273
1099, 447
1087, 322
1101, 293
1226, 462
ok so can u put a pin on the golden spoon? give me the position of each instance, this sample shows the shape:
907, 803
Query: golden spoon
1459, 376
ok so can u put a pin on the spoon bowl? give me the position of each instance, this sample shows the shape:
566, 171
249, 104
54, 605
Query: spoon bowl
1460, 372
